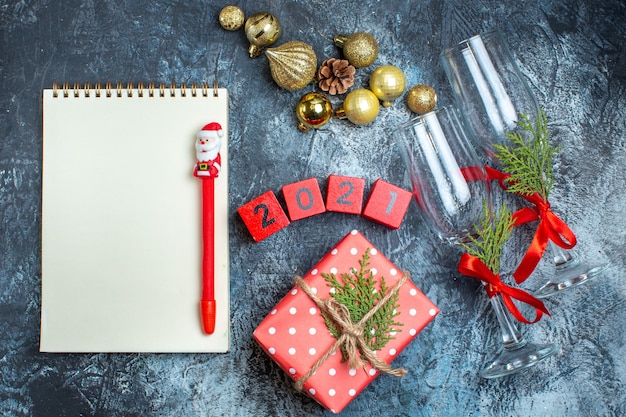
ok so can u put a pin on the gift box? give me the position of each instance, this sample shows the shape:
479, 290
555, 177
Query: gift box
296, 336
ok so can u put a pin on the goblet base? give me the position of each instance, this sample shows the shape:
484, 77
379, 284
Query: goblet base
568, 275
513, 359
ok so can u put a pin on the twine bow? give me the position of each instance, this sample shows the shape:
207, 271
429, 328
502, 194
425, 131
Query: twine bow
550, 227
351, 340
474, 267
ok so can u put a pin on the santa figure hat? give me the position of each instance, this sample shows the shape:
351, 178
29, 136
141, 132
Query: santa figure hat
212, 130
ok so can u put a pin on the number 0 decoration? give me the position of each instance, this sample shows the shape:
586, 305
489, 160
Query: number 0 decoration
387, 204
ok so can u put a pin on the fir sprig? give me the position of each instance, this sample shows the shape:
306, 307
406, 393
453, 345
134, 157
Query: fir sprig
492, 233
357, 292
529, 162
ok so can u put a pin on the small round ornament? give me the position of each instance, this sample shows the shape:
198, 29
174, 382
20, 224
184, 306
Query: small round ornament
360, 106
421, 99
388, 83
360, 49
231, 18
262, 29
313, 110
293, 64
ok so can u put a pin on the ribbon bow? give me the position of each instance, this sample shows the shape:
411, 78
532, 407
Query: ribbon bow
550, 227
474, 267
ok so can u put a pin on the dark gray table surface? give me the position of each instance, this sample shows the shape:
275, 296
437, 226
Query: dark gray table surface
572, 53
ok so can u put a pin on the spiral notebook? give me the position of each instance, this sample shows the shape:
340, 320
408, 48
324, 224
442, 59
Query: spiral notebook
121, 219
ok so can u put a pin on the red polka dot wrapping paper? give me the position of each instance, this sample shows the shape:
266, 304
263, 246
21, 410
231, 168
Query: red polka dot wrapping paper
295, 336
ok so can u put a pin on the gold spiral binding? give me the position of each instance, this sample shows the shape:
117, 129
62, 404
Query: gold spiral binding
120, 90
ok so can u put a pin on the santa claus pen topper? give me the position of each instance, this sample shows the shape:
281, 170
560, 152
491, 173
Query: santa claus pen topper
208, 167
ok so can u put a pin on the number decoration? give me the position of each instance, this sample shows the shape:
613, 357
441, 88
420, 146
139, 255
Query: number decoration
345, 194
387, 204
265, 221
304, 199
263, 216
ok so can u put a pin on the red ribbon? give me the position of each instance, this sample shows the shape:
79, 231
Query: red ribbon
472, 266
550, 227
494, 174
475, 173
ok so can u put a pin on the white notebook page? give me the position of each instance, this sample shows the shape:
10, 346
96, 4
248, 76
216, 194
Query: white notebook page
121, 223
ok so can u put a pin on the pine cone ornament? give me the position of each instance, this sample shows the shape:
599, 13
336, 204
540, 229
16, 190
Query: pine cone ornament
335, 76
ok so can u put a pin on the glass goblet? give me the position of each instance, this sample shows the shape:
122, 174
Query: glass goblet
451, 188
491, 94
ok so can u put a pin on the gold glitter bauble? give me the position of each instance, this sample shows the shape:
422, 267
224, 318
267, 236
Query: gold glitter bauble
293, 64
361, 107
313, 110
360, 49
231, 18
388, 83
421, 99
262, 29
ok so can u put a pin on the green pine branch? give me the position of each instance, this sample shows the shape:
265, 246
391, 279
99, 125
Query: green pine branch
492, 233
529, 162
357, 291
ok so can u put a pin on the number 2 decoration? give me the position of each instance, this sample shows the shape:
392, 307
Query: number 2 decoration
263, 216
262, 207
387, 204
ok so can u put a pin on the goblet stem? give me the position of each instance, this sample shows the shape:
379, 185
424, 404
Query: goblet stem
511, 335
569, 272
517, 353
560, 255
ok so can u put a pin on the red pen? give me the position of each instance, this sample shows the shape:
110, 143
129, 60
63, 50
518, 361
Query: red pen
207, 168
